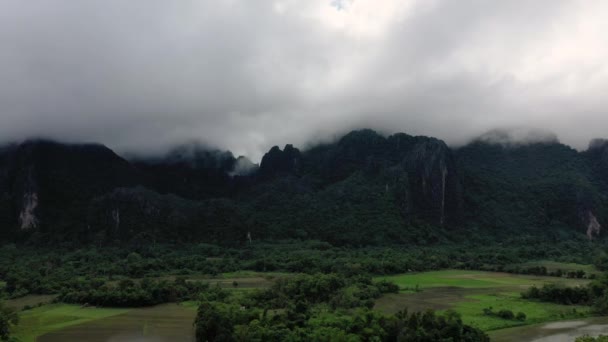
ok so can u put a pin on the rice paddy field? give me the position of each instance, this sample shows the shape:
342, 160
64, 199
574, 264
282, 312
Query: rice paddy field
50, 318
470, 292
168, 322
467, 292
46, 322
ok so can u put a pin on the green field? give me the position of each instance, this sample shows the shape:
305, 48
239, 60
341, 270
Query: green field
64, 322
473, 279
171, 322
53, 317
167, 322
469, 292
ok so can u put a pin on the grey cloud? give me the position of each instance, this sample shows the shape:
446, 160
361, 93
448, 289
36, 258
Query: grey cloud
242, 75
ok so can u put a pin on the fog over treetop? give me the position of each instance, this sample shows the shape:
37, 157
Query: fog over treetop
241, 75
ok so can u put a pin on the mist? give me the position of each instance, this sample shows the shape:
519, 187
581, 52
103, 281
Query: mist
142, 76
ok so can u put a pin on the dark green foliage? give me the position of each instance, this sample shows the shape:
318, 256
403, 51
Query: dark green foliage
560, 294
405, 187
305, 308
388, 287
214, 323
129, 293
542, 188
338, 291
505, 314
363, 189
586, 338
601, 261
49, 271
8, 319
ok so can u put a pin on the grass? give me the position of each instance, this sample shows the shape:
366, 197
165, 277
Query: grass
61, 321
190, 304
558, 331
167, 322
471, 279
469, 292
39, 321
536, 312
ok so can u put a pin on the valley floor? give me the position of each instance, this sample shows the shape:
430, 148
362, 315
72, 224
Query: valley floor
470, 292
467, 292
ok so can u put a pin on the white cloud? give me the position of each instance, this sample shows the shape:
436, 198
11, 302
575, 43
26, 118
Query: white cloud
246, 75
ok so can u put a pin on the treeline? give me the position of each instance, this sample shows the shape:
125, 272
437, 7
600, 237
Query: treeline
323, 308
8, 320
560, 294
587, 338
334, 290
542, 271
129, 293
594, 294
26, 270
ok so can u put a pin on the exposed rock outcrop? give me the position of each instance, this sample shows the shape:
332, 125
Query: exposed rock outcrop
434, 182
362, 187
593, 226
49, 184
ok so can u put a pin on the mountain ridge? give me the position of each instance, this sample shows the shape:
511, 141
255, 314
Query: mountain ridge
364, 188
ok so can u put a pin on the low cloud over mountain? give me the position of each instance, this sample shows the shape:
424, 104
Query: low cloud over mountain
144, 75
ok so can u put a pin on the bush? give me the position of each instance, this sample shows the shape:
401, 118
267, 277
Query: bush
506, 314
587, 338
559, 294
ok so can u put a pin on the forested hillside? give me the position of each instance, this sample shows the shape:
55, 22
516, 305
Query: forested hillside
363, 189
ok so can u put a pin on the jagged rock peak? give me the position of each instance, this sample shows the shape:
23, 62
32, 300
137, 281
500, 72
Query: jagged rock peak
276, 161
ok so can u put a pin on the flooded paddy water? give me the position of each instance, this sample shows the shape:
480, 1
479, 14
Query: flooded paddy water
162, 323
564, 331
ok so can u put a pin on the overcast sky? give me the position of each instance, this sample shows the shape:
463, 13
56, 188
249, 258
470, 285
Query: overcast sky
139, 75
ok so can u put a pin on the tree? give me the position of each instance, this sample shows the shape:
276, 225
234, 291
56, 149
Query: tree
8, 319
213, 324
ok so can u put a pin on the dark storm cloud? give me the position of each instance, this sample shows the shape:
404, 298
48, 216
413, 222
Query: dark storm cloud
245, 75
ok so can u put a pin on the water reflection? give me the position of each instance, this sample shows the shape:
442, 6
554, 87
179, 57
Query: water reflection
163, 323
135, 338
566, 331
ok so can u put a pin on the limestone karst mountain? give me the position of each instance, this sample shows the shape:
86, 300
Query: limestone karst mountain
364, 188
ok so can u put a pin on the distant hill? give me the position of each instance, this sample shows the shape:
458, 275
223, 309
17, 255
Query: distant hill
363, 189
